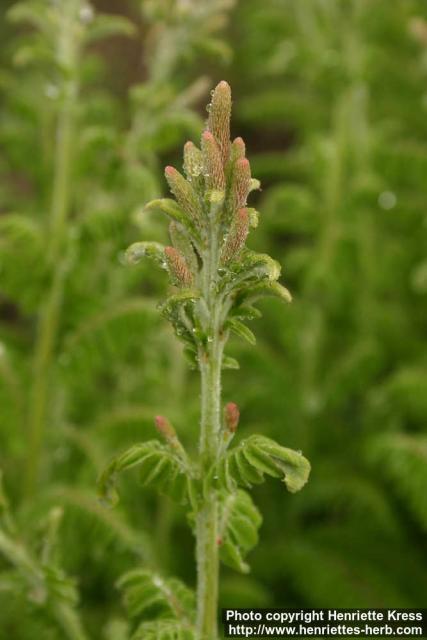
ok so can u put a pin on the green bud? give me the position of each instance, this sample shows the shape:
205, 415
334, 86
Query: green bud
178, 268
212, 163
183, 244
219, 118
241, 182
193, 162
236, 237
238, 149
183, 192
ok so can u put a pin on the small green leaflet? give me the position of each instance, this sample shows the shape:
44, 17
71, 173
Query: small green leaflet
163, 630
246, 464
230, 363
148, 595
241, 330
139, 250
239, 521
173, 211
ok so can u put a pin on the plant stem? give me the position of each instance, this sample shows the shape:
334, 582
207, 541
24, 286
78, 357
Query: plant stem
210, 358
49, 313
207, 518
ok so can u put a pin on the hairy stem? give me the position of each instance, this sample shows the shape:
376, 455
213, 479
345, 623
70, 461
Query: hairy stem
210, 359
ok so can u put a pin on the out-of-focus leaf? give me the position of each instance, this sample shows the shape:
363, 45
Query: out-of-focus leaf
239, 521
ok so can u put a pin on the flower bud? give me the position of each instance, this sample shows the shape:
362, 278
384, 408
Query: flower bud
177, 267
165, 428
236, 237
238, 149
193, 164
183, 192
183, 244
241, 182
231, 416
219, 118
212, 162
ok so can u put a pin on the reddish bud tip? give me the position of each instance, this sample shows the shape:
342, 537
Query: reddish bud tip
223, 86
232, 416
159, 420
165, 428
207, 135
238, 149
243, 163
170, 171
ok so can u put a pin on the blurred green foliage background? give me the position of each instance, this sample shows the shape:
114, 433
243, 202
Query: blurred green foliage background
331, 99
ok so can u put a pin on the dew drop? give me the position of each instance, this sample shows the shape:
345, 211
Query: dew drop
387, 200
86, 14
51, 91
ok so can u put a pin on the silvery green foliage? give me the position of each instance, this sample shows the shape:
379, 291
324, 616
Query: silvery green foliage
207, 261
53, 58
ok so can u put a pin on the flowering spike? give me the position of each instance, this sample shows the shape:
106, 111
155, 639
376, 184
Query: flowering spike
219, 118
193, 163
177, 267
231, 416
241, 182
238, 149
237, 235
183, 192
212, 162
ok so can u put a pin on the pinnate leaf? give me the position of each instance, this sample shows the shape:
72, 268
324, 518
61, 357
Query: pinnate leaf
163, 630
159, 468
246, 464
149, 595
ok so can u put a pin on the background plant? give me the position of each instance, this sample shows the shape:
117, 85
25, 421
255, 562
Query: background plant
339, 206
48, 294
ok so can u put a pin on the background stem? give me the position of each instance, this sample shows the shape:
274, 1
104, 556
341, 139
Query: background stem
49, 313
